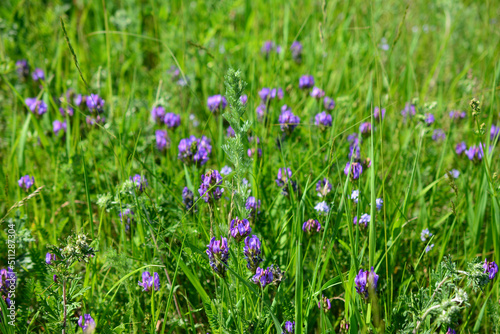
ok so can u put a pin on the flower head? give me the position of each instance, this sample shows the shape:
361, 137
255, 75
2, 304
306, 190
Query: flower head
162, 139
409, 111
450, 331
457, 115
429, 119
263, 277
252, 252
475, 153
253, 205
50, 258
289, 327
296, 49
325, 304
158, 114
261, 111
172, 120
194, 150
317, 93
26, 182
210, 188
378, 114
139, 181
187, 198
323, 187
149, 282
365, 219
365, 128
283, 175
95, 103
354, 170
329, 103
218, 254
460, 148
38, 74
37, 107
378, 203
239, 229
226, 170
425, 234
494, 132
428, 248
288, 121
490, 268
22, 69
306, 81
87, 324
438, 135
322, 208
355, 196
323, 120
230, 132
243, 99
128, 214
312, 225
216, 103
366, 281
58, 126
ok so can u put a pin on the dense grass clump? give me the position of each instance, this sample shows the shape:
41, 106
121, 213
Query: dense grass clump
249, 167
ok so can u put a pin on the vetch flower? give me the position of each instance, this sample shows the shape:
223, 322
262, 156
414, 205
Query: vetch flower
322, 208
128, 214
267, 48
87, 324
283, 175
38, 74
317, 93
353, 170
428, 248
450, 331
172, 120
36, 106
149, 282
263, 277
425, 234
288, 121
260, 111
289, 327
378, 114
355, 196
490, 268
494, 132
239, 229
251, 152
429, 119
365, 219
139, 181
226, 170
158, 114
58, 126
194, 150
50, 258
366, 281
378, 203
26, 182
325, 304
230, 132
409, 111
457, 115
454, 173
22, 69
218, 254
210, 188
253, 205
323, 187
365, 128
438, 135
312, 225
460, 148
243, 99
306, 81
296, 49
475, 153
323, 120
216, 103
329, 103
252, 252
162, 140
95, 103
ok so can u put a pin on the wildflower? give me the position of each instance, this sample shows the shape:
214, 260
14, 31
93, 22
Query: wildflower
460, 148
450, 331
306, 81
490, 268
140, 182
344, 327
162, 140
288, 121
263, 277
409, 110
127, 213
323, 187
243, 99
365, 219
260, 110
278, 275
354, 150
323, 120
252, 252
378, 114
317, 93
289, 327
429, 119
296, 49
354, 170
187, 198
54, 278
251, 152
172, 120
311, 225
457, 115
230, 132
494, 132
329, 103
378, 203
158, 114
425, 234
366, 281
267, 48
218, 254
239, 228
26, 182
475, 153
50, 258
325, 302
22, 69
365, 128
454, 173
355, 196
428, 248
38, 75
226, 170
36, 106
253, 205
95, 103
322, 207
438, 135
216, 103
70, 111
210, 188
87, 324
194, 150
283, 175
58, 126
383, 44
148, 281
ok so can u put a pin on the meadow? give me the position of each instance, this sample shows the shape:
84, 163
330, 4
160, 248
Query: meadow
244, 166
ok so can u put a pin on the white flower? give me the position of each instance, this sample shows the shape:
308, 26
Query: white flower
322, 207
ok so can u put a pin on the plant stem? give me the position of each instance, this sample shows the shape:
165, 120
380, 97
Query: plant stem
64, 308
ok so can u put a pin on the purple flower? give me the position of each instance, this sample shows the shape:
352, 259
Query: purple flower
50, 258
323, 120
409, 111
79, 99
306, 81
139, 181
22, 69
230, 132
239, 229
365, 219
149, 282
187, 198
325, 302
87, 324
454, 173
26, 182
329, 103
450, 331
216, 103
312, 225
353, 170
210, 188
253, 205
263, 277
251, 152
365, 128
218, 255
429, 119
95, 103
243, 99
323, 187
260, 110
38, 74
158, 114
70, 111
379, 202
252, 252
494, 132
194, 151
322, 208
428, 248
288, 121
58, 126
129, 215
460, 148
490, 268
296, 49
438, 135
366, 281
425, 234
172, 120
317, 93
355, 196
289, 327
475, 153
267, 48
162, 140
283, 175
457, 115
226, 170
36, 106
378, 114
267, 94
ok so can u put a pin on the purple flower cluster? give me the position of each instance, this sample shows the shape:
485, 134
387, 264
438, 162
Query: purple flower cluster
162, 140
323, 120
490, 268
379, 202
306, 82
325, 303
230, 132
253, 205
172, 120
216, 103
87, 323
194, 150
429, 119
38, 74
457, 115
353, 170
263, 276
378, 113
322, 208
268, 94
95, 103
365, 128
475, 153
8, 281
22, 69
312, 225
366, 281
317, 93
438, 135
38, 107
26, 182
129, 215
329, 103
323, 187
252, 252
239, 229
150, 281
460, 148
409, 111
355, 196
139, 181
268, 47
210, 188
218, 254
50, 259
158, 114
57, 126
288, 121
365, 219
283, 176
289, 327
296, 49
